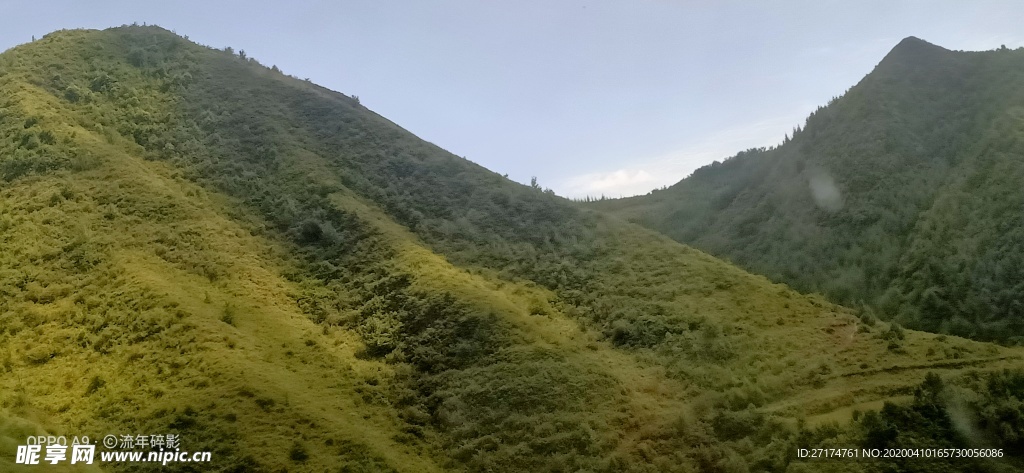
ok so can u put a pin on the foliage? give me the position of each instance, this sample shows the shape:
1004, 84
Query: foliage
902, 195
981, 411
218, 250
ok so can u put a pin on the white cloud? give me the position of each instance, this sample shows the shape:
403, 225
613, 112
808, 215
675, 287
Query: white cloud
645, 174
612, 184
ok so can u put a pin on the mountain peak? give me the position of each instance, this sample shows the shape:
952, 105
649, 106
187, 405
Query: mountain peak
913, 50
186, 217
912, 41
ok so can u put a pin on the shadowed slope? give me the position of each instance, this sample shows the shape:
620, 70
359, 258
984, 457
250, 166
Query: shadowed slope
868, 203
197, 244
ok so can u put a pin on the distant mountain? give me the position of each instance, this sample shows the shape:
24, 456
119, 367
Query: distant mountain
196, 244
903, 196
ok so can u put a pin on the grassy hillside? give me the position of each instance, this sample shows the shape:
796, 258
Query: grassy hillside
197, 244
901, 196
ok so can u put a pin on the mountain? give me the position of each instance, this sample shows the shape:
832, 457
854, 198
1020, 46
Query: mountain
902, 196
196, 244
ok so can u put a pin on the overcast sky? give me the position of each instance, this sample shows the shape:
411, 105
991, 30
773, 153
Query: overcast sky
592, 97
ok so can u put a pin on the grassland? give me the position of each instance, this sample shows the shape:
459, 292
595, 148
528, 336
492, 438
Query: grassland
194, 243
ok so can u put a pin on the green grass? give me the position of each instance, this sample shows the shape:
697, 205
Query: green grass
297, 284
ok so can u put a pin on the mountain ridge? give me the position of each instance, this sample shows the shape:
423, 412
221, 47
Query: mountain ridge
890, 149
295, 283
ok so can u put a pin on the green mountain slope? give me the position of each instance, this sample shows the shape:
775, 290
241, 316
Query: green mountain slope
902, 195
196, 244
